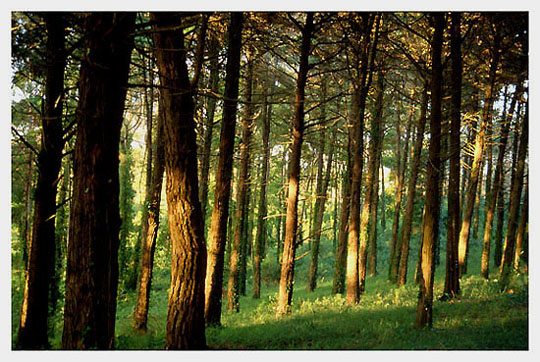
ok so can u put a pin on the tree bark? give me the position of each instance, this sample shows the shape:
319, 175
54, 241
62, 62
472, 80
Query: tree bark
291, 220
521, 248
220, 211
406, 228
424, 312
41, 262
92, 266
150, 238
451, 281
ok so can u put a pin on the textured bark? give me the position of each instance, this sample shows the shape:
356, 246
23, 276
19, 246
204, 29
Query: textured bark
152, 228
291, 220
451, 281
424, 312
520, 254
238, 251
209, 129
261, 217
41, 262
92, 265
357, 148
185, 313
497, 183
515, 199
220, 211
476, 165
406, 228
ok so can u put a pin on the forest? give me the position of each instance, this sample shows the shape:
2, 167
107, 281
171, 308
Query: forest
269, 180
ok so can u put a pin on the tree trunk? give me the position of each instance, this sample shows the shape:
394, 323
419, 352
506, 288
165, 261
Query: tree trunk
185, 313
237, 252
220, 211
291, 220
424, 312
520, 253
406, 228
451, 281
515, 198
383, 198
150, 238
476, 165
92, 266
497, 255
497, 183
261, 217
41, 262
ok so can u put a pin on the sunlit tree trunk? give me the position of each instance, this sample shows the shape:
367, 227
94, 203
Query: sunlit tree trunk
92, 266
424, 312
42, 249
291, 221
220, 211
521, 247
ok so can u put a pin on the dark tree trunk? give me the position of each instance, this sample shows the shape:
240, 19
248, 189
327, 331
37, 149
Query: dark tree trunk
238, 248
383, 198
291, 220
497, 183
41, 262
476, 165
451, 281
150, 238
92, 266
261, 217
220, 211
497, 255
424, 312
515, 199
185, 314
209, 129
406, 228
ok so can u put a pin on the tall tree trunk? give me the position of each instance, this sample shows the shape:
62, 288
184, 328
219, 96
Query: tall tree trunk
220, 211
185, 312
92, 266
291, 220
424, 312
451, 281
357, 147
150, 238
383, 198
41, 262
237, 252
497, 255
476, 211
26, 215
209, 129
521, 248
261, 217
515, 199
497, 183
406, 228
476, 164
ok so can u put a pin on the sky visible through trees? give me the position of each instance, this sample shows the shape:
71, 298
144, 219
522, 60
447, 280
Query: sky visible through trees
216, 180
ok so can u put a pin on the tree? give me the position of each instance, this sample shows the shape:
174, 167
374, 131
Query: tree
92, 261
291, 220
41, 261
220, 212
424, 312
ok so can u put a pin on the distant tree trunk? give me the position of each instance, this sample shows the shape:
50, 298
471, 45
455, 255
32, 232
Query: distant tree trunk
150, 238
28, 191
319, 215
41, 262
261, 217
341, 252
185, 313
209, 129
383, 198
291, 221
476, 165
515, 198
406, 228
92, 265
242, 195
497, 255
451, 281
220, 212
520, 252
424, 312
477, 207
357, 147
497, 183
